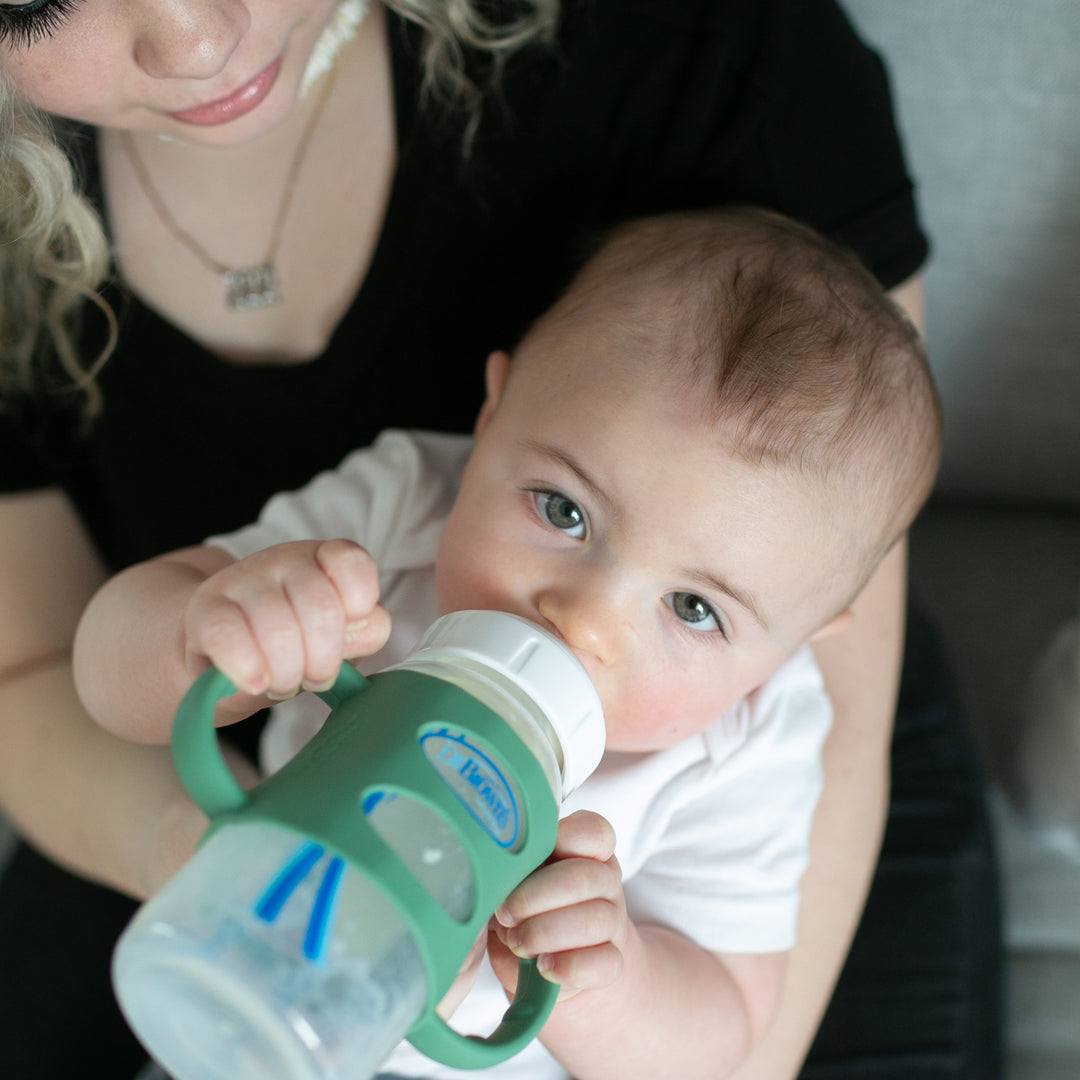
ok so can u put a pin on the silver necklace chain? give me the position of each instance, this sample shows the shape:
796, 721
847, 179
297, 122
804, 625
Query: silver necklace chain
249, 287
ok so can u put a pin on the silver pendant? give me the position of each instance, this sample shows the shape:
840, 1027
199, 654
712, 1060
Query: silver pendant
252, 287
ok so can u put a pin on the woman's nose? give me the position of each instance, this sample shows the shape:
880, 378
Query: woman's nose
189, 39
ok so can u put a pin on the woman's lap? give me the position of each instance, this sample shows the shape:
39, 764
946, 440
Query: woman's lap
919, 999
58, 1018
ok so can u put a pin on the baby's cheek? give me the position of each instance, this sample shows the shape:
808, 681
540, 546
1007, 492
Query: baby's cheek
454, 572
644, 718
661, 712
469, 584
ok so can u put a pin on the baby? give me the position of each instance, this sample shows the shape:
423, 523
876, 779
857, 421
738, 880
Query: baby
687, 470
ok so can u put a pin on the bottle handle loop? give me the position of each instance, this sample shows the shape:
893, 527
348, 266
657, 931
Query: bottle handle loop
534, 999
207, 778
195, 746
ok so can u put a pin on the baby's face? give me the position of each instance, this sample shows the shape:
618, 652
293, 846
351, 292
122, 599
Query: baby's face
600, 504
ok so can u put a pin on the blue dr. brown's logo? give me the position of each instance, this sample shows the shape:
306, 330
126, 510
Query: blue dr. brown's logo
478, 783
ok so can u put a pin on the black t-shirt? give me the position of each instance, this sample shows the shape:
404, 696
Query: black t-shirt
643, 106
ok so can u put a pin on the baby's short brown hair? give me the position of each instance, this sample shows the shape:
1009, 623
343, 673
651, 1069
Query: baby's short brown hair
809, 365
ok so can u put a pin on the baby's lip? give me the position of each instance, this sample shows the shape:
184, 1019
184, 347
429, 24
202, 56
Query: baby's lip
234, 105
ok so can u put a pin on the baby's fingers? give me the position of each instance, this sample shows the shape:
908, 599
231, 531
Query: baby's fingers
561, 884
353, 574
310, 660
273, 622
300, 618
585, 835
218, 631
582, 969
583, 966
582, 926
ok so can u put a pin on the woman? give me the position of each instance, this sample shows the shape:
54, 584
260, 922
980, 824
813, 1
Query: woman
322, 219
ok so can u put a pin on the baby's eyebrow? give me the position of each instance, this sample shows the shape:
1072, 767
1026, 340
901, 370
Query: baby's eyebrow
741, 596
561, 457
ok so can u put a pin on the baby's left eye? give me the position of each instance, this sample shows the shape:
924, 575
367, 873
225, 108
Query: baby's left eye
693, 610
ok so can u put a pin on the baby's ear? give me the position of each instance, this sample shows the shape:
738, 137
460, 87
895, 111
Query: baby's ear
834, 625
498, 366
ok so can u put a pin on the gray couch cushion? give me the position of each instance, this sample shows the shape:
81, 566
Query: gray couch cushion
988, 93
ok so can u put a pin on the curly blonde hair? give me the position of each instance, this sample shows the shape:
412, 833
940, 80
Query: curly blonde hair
451, 26
53, 258
54, 255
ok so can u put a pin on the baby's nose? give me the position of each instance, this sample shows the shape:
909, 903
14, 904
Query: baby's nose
584, 620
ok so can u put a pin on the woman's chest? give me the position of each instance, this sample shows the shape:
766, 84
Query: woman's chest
254, 258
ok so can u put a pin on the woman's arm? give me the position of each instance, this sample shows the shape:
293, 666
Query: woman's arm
861, 668
862, 673
106, 808
130, 661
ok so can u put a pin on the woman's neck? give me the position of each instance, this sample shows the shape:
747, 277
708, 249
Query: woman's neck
228, 200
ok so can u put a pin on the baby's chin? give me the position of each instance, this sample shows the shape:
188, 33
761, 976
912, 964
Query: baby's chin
649, 741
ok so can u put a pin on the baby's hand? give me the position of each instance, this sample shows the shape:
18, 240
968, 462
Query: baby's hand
570, 913
283, 619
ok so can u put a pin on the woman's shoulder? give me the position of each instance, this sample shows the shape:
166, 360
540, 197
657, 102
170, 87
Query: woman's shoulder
732, 24
676, 13
708, 68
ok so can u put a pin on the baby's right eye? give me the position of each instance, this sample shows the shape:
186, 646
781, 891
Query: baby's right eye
563, 513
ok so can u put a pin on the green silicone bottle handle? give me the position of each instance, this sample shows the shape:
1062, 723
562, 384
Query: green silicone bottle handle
196, 751
195, 746
534, 999
207, 778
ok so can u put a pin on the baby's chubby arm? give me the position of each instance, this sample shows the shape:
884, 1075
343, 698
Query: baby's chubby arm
276, 622
635, 1000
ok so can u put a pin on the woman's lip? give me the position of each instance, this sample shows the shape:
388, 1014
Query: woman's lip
238, 103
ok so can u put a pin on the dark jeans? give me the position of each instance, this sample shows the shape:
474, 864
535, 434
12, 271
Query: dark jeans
919, 999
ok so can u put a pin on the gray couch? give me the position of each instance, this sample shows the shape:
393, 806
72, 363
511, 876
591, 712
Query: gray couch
988, 93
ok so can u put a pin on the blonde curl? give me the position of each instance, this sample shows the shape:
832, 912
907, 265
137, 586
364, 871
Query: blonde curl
452, 26
53, 258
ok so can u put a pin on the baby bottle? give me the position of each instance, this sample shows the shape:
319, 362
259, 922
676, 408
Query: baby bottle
329, 909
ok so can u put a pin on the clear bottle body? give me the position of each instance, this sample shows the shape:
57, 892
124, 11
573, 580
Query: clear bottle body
268, 958
221, 979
